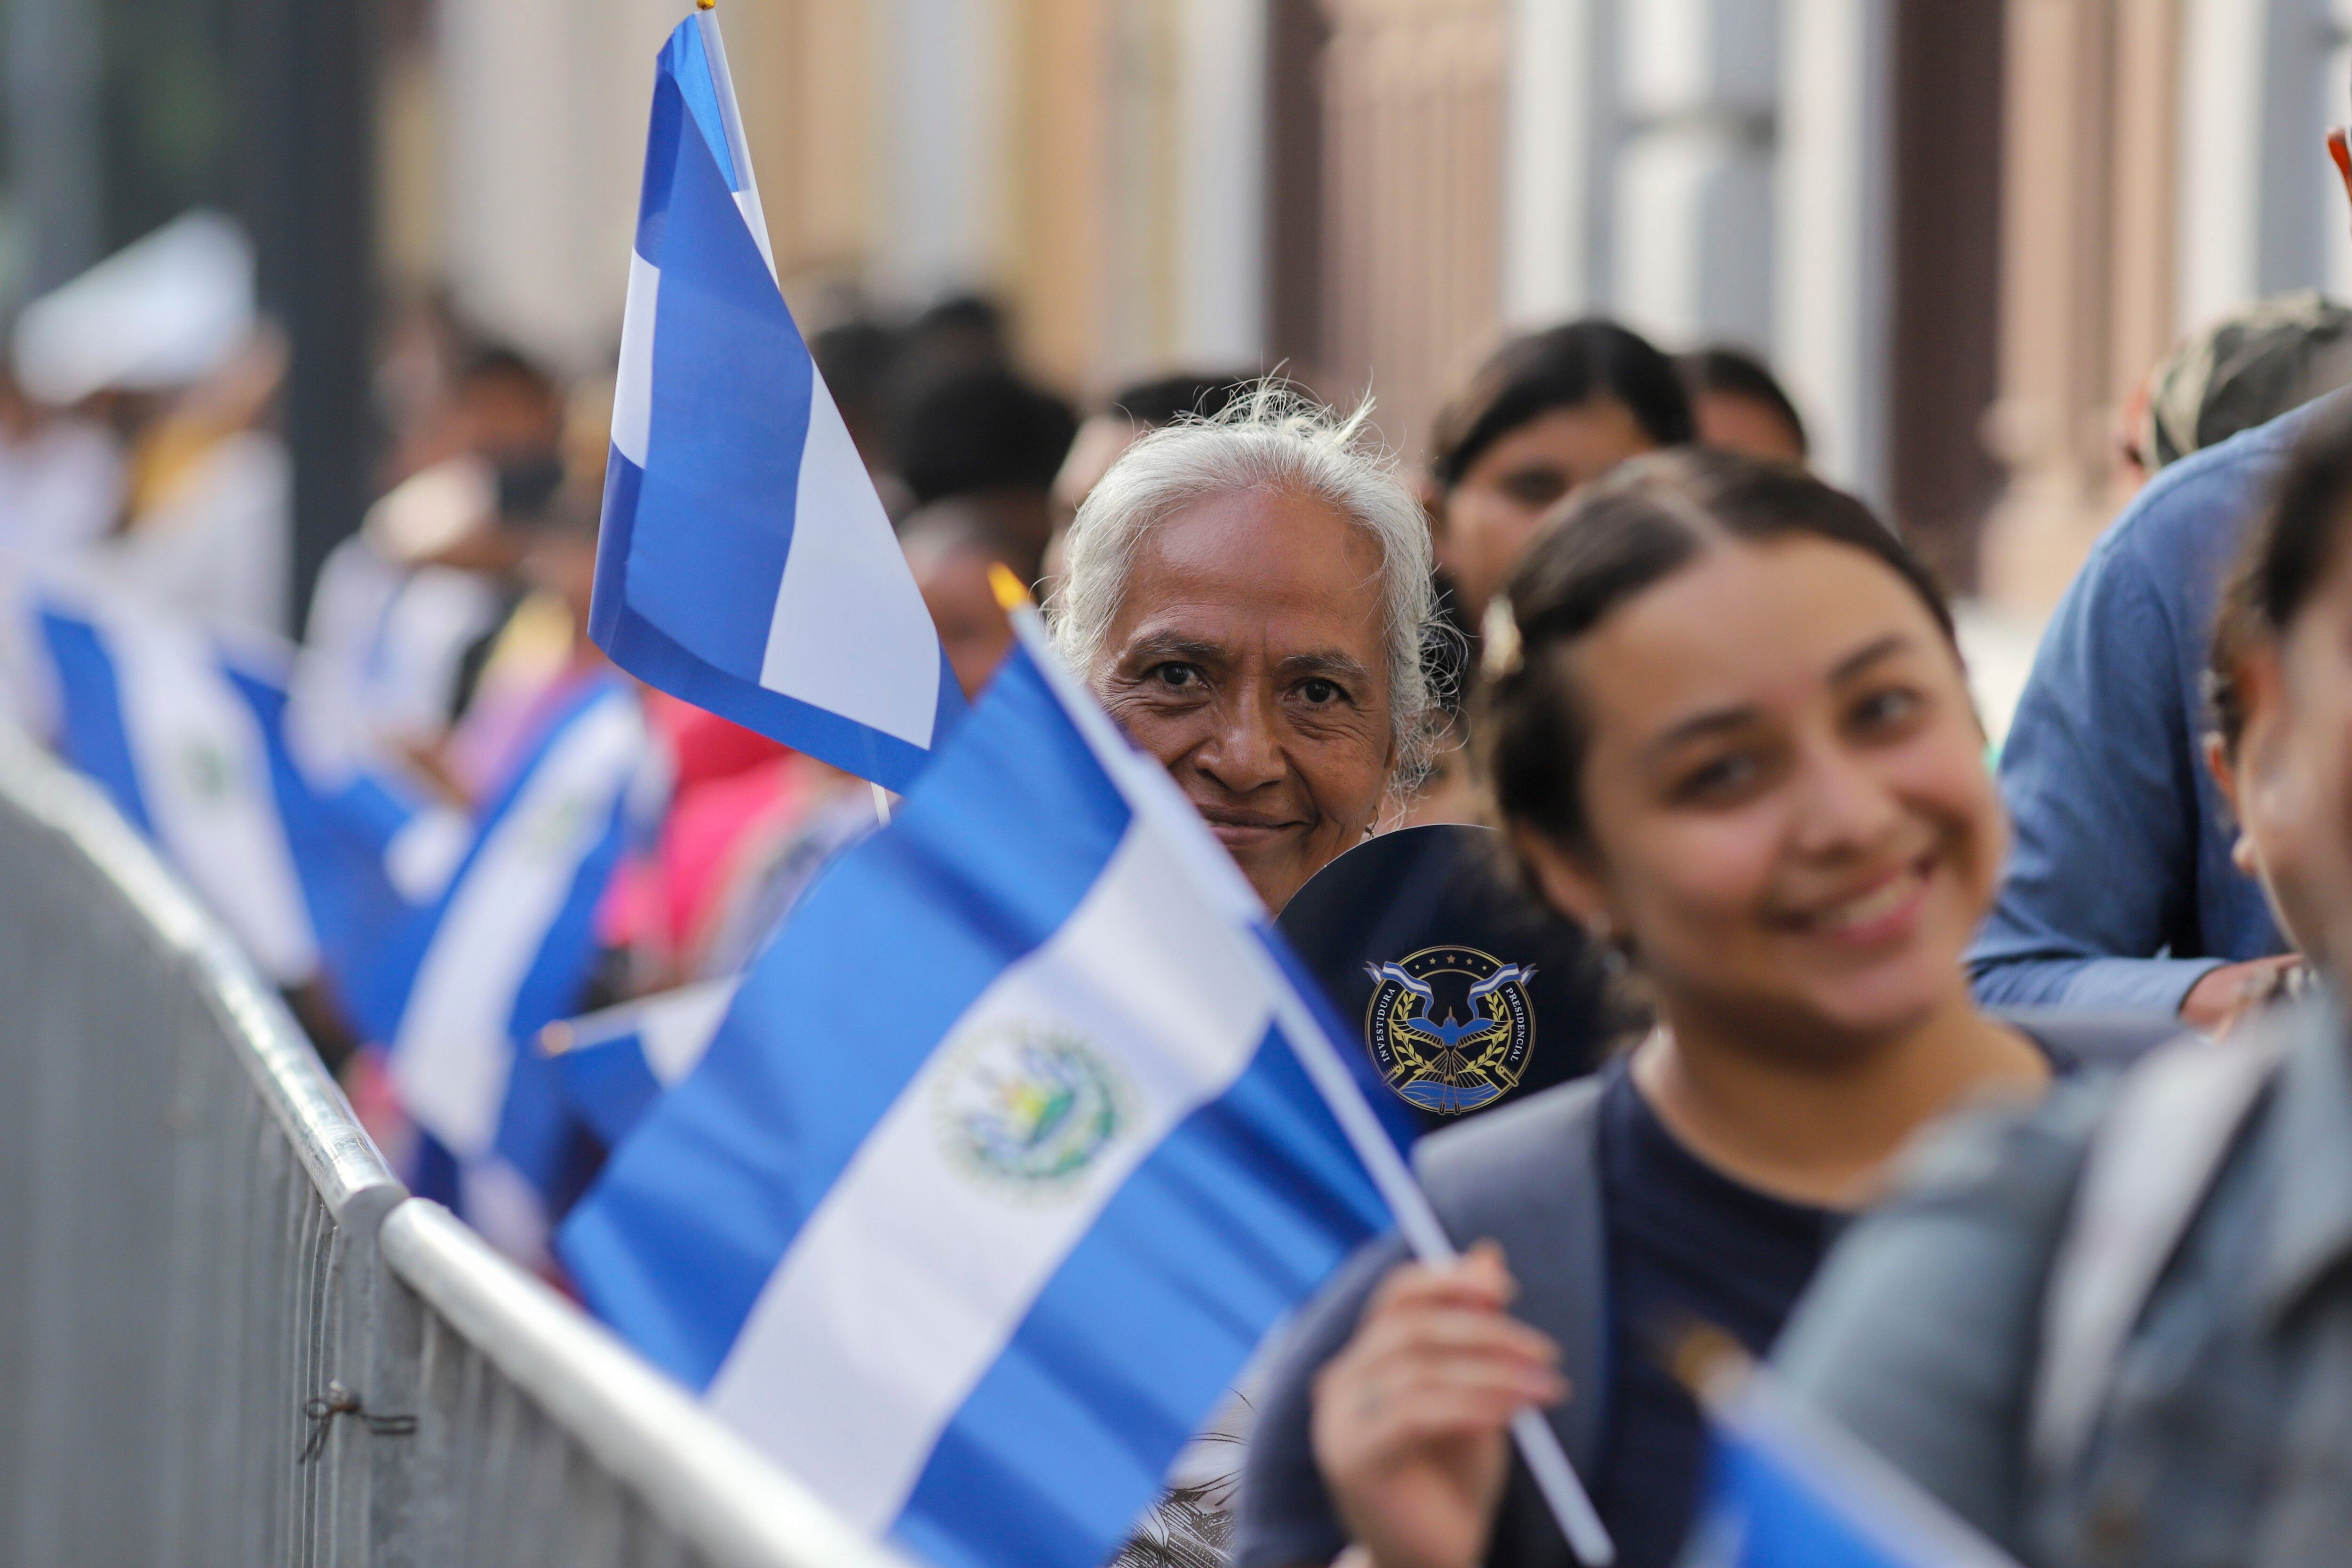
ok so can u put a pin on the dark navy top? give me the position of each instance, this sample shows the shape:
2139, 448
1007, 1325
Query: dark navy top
1688, 1245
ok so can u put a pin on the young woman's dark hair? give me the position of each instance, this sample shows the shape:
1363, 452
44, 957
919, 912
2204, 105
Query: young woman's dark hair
2279, 566
1634, 528
1561, 367
1735, 372
2303, 533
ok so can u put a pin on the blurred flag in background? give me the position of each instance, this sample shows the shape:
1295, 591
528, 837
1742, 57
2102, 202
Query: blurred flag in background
146, 707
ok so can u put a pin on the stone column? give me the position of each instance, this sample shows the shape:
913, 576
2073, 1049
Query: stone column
1694, 220
1559, 146
1832, 252
2053, 425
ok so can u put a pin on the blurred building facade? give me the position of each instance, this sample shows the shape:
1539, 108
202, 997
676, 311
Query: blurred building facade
1961, 229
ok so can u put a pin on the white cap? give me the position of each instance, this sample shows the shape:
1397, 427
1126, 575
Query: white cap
162, 312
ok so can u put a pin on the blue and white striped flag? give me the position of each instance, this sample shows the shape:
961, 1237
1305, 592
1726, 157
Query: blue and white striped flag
1791, 1489
146, 706
1002, 1162
746, 563
354, 835
508, 947
611, 1065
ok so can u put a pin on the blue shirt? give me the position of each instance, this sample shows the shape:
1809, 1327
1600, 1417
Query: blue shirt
2120, 894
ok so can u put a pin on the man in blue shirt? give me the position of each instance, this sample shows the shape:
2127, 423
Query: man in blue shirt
2120, 894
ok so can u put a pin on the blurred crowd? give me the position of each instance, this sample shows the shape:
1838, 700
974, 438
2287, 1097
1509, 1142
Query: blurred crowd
1614, 532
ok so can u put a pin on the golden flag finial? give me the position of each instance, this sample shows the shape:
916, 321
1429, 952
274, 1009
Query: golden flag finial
1010, 594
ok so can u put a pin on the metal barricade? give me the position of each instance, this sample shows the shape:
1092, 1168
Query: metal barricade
229, 1338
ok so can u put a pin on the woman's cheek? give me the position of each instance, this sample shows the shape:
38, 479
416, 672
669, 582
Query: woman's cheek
1722, 869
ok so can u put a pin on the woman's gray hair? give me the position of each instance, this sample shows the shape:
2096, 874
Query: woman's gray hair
1274, 438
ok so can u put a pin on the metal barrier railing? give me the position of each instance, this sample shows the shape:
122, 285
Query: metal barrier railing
228, 1337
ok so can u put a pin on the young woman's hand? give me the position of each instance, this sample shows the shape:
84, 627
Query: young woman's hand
1412, 1418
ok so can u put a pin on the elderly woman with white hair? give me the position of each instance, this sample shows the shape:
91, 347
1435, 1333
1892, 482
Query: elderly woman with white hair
1249, 595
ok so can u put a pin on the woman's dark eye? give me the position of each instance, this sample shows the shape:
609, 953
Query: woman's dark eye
1535, 486
1724, 776
1882, 709
1319, 691
1177, 677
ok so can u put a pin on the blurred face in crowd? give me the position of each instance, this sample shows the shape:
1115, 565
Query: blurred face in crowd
562, 562
507, 415
1492, 514
1100, 440
973, 630
1749, 425
1790, 816
2295, 773
1247, 654
2261, 793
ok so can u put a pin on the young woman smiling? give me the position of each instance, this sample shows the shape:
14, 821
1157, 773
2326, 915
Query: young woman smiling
1737, 746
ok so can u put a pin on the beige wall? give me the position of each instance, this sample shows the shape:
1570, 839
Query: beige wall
2087, 289
1413, 101
804, 73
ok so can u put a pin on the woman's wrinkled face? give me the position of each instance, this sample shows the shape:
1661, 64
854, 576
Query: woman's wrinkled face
1247, 656
1491, 516
1791, 816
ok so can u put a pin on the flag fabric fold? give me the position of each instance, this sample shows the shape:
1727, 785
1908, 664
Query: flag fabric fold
746, 563
998, 1168
611, 1065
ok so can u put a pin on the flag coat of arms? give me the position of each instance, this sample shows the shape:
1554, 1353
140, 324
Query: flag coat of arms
999, 1167
746, 562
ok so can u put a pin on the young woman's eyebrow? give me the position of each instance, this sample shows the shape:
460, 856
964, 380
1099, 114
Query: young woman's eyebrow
1700, 725
1870, 653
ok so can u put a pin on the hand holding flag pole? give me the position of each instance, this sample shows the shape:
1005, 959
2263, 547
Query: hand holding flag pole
1416, 1220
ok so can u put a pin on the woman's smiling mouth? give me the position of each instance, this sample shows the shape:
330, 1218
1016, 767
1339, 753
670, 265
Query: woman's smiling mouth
1238, 830
1885, 910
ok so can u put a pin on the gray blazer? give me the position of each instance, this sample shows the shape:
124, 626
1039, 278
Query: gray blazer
1528, 1176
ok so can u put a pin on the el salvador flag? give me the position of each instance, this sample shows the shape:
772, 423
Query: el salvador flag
508, 947
746, 563
999, 1167
611, 1065
354, 834
1791, 1489
147, 707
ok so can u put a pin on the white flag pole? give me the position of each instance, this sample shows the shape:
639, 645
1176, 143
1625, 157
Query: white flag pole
755, 217
1148, 786
747, 194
